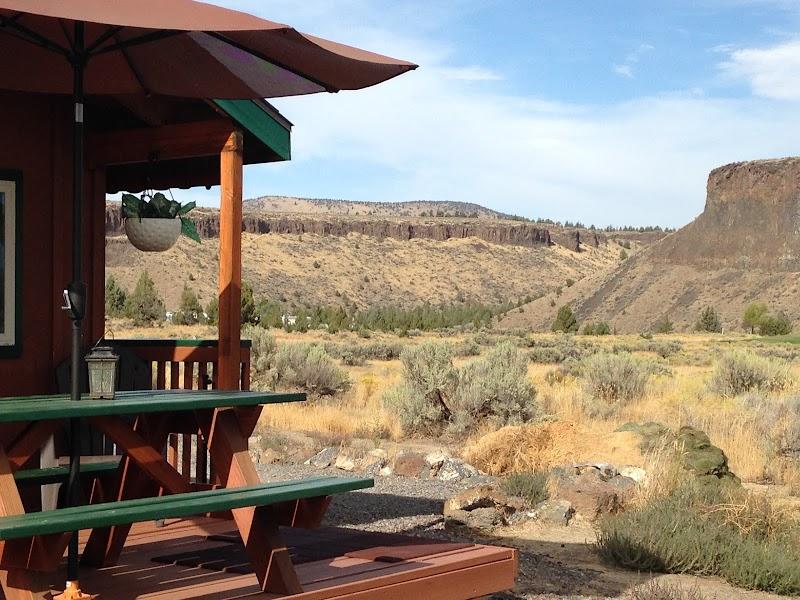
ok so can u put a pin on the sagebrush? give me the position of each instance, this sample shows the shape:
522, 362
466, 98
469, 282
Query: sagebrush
435, 396
740, 371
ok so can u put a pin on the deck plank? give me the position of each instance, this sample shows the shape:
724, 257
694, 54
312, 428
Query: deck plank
459, 574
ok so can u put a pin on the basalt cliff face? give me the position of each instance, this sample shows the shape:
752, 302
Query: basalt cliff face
751, 220
503, 233
744, 247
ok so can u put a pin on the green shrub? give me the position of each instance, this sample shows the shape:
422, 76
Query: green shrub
775, 325
145, 305
248, 304
116, 298
708, 530
531, 486
467, 348
310, 368
212, 310
559, 350
598, 328
615, 378
664, 325
415, 413
262, 358
435, 396
494, 389
565, 320
428, 369
740, 371
664, 349
708, 321
189, 311
753, 315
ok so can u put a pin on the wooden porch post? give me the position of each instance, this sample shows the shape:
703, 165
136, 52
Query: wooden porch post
230, 263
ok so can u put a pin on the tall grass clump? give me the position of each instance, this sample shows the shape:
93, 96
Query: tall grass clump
659, 590
740, 371
434, 396
708, 530
615, 378
531, 486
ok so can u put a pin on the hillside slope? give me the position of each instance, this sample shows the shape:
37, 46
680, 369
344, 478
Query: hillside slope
744, 247
324, 269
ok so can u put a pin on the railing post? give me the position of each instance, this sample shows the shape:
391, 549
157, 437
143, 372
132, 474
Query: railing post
230, 263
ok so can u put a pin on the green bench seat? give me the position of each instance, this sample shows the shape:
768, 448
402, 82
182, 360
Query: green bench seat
60, 474
189, 504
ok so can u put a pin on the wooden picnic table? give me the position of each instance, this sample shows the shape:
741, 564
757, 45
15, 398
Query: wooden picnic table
139, 423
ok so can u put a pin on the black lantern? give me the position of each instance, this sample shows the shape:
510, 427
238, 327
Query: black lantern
102, 363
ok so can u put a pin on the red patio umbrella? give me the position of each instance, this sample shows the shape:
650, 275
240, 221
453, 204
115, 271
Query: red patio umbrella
160, 47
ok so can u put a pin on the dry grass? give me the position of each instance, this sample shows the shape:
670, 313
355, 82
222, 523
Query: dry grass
358, 413
569, 434
543, 446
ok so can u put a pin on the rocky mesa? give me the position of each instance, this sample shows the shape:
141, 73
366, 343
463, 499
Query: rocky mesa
744, 247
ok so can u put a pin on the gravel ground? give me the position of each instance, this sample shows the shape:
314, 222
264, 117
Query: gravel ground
394, 505
414, 506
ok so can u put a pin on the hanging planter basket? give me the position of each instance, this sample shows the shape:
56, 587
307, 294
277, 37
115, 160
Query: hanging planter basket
152, 235
153, 223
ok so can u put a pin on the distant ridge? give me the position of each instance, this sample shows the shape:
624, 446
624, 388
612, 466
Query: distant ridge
415, 208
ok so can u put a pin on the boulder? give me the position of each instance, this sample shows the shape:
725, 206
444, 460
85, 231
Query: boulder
345, 463
591, 494
701, 458
638, 474
324, 458
480, 518
436, 459
553, 512
410, 464
484, 496
454, 469
482, 507
605, 470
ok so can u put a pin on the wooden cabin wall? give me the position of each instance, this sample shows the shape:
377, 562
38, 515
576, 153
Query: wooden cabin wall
36, 139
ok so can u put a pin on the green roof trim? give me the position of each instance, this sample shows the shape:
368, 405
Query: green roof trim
268, 126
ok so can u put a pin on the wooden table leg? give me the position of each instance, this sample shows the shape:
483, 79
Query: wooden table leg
105, 544
17, 584
258, 528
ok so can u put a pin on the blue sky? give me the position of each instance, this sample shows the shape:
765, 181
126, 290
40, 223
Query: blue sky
604, 111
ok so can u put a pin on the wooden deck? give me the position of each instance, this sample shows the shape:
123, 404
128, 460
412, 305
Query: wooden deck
379, 569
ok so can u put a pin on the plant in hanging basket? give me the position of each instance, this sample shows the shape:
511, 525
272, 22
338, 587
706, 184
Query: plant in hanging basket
153, 222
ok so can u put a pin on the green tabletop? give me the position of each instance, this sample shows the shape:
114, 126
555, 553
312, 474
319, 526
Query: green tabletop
36, 408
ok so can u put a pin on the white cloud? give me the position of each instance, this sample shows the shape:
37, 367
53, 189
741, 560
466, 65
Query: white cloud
435, 134
625, 69
772, 72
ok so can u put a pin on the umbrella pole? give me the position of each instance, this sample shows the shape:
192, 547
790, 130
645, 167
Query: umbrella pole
76, 305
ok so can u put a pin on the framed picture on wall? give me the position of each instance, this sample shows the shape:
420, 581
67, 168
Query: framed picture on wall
10, 260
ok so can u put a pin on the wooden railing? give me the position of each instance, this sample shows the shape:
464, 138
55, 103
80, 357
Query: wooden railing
186, 365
